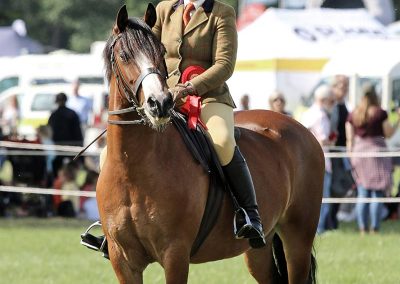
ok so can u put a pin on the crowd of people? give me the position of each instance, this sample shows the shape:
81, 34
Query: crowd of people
66, 126
363, 129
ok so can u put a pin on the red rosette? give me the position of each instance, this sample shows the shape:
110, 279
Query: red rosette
191, 72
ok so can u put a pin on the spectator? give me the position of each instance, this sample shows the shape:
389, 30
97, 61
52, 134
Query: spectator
81, 105
342, 180
44, 135
277, 103
317, 120
88, 205
245, 102
66, 130
10, 117
69, 205
367, 127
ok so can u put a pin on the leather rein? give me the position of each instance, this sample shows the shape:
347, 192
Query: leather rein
130, 94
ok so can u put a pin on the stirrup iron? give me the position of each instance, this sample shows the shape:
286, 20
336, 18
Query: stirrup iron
242, 229
103, 244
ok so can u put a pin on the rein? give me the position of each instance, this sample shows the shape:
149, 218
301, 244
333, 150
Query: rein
130, 94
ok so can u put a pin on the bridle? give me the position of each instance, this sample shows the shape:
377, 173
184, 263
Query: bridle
130, 94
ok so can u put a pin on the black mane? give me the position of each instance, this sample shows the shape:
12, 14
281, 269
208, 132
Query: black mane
137, 37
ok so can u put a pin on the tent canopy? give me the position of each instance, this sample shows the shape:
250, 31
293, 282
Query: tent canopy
12, 44
303, 34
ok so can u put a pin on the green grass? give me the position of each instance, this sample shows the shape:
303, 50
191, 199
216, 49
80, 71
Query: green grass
48, 251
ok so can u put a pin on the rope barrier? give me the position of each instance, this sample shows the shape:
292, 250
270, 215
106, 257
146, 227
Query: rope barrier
50, 191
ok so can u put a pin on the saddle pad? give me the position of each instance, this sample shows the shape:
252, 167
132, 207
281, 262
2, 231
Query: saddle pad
203, 152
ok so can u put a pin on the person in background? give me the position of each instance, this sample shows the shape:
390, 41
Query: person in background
245, 102
366, 129
81, 105
69, 205
88, 205
277, 103
10, 117
66, 130
341, 169
317, 120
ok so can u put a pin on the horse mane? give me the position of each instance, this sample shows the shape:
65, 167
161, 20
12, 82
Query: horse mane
137, 36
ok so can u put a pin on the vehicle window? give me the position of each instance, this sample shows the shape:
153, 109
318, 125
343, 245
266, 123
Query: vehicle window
8, 82
376, 82
45, 81
396, 92
43, 102
91, 80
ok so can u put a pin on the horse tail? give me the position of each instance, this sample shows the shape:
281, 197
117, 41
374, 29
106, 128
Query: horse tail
279, 271
280, 274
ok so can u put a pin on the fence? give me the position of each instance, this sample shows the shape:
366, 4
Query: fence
30, 149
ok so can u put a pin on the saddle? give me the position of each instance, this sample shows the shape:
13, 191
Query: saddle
197, 141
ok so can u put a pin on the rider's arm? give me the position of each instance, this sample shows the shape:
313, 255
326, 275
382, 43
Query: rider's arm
224, 48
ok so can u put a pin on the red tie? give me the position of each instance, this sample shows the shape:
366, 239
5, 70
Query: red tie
186, 14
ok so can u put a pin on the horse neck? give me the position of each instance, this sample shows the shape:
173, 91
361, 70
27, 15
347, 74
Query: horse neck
126, 139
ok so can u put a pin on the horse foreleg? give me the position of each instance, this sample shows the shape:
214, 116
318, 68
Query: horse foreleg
124, 271
176, 265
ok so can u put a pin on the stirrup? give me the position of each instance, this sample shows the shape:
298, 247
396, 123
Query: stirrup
240, 231
102, 248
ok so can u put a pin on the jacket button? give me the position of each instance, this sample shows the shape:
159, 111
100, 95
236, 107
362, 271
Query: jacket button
179, 40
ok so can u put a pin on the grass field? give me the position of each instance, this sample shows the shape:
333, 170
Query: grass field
40, 251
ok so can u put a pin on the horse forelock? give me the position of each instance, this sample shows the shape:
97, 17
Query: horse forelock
135, 42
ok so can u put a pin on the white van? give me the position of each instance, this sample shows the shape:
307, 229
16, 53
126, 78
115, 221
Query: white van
373, 61
37, 102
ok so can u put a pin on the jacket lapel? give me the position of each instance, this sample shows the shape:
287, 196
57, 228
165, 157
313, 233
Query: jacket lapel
197, 19
176, 20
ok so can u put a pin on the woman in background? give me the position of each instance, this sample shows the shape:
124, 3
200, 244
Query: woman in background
366, 129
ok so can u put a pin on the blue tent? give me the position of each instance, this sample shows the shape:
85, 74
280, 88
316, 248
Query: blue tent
13, 44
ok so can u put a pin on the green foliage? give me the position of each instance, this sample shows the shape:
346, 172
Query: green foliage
72, 24
47, 251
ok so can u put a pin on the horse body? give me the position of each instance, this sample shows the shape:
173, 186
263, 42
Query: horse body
152, 194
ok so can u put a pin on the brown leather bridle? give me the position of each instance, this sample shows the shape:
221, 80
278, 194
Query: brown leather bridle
130, 94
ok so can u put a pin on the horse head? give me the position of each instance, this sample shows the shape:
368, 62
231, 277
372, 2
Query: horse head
136, 69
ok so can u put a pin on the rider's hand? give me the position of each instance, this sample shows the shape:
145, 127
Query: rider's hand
182, 90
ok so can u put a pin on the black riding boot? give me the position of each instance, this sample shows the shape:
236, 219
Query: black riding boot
242, 187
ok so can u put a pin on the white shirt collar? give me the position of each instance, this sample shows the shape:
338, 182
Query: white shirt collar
196, 3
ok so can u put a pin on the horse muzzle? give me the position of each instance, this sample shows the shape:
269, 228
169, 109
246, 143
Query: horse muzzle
160, 109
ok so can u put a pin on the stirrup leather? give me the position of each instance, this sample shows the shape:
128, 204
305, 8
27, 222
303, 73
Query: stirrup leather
103, 244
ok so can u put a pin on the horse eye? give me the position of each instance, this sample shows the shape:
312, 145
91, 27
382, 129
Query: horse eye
123, 56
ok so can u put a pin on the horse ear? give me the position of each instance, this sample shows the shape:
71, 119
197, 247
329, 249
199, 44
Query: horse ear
122, 20
150, 16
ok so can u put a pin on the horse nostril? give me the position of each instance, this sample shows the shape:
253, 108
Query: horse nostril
152, 102
168, 101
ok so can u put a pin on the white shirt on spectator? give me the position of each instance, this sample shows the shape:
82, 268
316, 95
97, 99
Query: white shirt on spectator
82, 106
317, 121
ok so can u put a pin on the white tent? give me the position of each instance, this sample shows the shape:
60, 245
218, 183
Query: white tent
286, 50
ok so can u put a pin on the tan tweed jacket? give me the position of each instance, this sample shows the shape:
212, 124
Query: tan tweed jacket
209, 40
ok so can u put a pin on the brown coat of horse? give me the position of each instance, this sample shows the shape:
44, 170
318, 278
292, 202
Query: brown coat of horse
152, 194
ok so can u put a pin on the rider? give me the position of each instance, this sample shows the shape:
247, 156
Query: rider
203, 33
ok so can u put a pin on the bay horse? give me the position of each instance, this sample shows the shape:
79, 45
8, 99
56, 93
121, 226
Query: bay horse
151, 193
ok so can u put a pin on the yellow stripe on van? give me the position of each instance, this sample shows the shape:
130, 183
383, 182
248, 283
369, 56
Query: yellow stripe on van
303, 65
34, 122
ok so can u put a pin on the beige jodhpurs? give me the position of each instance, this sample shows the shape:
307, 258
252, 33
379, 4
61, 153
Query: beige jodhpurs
219, 120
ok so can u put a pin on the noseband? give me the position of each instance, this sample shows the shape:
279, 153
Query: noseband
130, 94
